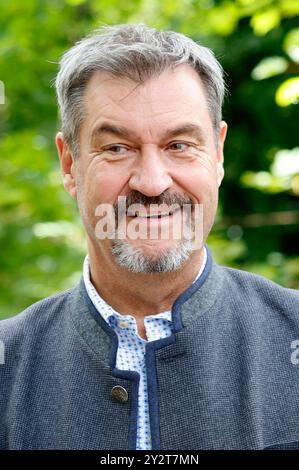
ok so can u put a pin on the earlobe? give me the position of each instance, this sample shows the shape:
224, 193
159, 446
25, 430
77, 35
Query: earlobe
67, 165
69, 184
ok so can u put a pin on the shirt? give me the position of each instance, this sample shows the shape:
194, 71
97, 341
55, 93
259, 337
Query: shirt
131, 347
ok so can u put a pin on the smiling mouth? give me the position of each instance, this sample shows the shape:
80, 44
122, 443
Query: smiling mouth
160, 215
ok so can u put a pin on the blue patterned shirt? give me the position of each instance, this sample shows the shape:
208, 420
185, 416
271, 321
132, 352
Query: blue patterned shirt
131, 347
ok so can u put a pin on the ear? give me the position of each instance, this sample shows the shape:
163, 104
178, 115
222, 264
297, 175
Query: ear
220, 158
67, 164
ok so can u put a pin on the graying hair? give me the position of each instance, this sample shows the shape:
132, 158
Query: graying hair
132, 51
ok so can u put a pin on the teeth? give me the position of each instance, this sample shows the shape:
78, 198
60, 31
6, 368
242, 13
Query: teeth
148, 216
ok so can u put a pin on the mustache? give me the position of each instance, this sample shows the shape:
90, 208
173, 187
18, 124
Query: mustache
169, 198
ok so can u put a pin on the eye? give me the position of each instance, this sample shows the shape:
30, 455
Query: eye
117, 149
179, 147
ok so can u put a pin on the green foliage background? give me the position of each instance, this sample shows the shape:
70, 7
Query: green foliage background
257, 41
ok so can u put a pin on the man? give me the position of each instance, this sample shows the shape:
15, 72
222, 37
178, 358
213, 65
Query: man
158, 347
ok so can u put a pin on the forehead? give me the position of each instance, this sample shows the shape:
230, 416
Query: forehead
170, 97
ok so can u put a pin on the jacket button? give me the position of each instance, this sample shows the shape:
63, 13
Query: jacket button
120, 394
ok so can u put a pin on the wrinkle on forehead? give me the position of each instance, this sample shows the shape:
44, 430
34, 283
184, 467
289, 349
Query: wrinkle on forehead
174, 94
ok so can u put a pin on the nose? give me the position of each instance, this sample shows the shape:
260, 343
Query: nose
150, 176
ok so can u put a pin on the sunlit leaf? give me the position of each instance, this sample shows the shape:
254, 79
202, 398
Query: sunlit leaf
288, 92
289, 7
264, 21
265, 181
223, 19
291, 44
269, 67
286, 163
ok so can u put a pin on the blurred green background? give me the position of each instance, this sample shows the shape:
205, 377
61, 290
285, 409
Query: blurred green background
257, 42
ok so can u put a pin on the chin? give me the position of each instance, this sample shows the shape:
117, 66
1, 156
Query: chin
151, 258
153, 247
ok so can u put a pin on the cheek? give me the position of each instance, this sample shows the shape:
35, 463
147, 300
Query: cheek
103, 186
202, 184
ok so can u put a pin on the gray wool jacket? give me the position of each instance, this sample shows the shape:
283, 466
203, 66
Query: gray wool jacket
228, 378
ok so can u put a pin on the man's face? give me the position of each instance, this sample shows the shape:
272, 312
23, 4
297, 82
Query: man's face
153, 143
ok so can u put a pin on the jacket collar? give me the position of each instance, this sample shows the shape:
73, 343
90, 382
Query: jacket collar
192, 303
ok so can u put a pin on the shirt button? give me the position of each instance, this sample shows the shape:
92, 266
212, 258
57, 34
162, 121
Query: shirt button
120, 394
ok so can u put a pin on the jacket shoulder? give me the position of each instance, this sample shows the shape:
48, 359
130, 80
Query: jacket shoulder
255, 289
252, 280
36, 316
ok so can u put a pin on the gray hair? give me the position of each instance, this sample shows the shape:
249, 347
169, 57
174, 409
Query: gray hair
132, 51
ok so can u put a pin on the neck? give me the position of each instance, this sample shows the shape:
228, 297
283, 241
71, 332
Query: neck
140, 294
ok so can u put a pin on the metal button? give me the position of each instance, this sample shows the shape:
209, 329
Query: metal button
120, 394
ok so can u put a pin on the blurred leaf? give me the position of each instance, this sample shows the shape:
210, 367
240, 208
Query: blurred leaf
269, 67
288, 92
286, 163
263, 21
291, 44
264, 181
289, 7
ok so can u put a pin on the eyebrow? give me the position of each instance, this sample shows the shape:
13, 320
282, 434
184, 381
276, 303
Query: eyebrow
122, 132
189, 129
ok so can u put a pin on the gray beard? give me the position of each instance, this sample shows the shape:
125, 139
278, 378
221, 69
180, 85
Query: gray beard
169, 259
135, 261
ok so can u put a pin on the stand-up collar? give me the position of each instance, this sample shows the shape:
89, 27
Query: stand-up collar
100, 337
